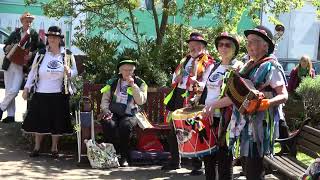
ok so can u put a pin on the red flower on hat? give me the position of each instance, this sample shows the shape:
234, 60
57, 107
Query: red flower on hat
224, 34
262, 31
197, 38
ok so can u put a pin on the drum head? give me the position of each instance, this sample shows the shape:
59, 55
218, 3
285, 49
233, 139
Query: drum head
186, 113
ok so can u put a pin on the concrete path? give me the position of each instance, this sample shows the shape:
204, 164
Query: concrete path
16, 164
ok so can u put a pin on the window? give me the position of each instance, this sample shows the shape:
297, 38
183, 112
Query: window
290, 66
3, 37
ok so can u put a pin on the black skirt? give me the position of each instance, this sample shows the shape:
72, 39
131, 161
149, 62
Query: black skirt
48, 113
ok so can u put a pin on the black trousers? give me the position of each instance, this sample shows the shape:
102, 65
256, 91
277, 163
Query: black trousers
220, 160
175, 103
174, 150
283, 133
253, 168
117, 131
253, 165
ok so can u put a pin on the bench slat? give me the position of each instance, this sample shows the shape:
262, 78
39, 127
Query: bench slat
305, 143
308, 152
281, 167
297, 163
311, 130
290, 165
310, 137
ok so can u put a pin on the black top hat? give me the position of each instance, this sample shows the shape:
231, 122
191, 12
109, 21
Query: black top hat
226, 35
127, 61
54, 31
264, 33
195, 36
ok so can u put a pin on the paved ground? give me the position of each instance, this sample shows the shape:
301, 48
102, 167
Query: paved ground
16, 164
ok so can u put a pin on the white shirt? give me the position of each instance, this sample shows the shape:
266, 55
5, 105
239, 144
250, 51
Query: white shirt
121, 93
186, 72
51, 72
214, 84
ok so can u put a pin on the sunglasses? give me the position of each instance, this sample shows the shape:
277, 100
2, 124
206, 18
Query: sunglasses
227, 45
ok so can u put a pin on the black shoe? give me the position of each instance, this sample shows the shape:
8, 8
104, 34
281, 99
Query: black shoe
8, 119
171, 166
54, 154
1, 112
34, 153
123, 162
196, 172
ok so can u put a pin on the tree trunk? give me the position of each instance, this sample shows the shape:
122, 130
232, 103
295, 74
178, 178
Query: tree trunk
160, 29
135, 32
164, 22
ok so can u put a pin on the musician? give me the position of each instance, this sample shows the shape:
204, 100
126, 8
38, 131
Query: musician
119, 104
228, 48
49, 112
258, 129
191, 73
13, 75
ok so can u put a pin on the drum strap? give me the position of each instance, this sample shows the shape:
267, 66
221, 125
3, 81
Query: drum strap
205, 90
178, 71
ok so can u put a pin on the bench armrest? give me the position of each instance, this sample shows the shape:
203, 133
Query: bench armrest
294, 134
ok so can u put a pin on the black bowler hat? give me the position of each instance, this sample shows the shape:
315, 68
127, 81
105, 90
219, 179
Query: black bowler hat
264, 33
54, 31
195, 36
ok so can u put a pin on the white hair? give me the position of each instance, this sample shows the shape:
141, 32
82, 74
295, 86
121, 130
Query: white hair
131, 65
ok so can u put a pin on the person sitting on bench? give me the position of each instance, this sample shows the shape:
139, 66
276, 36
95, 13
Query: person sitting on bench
119, 104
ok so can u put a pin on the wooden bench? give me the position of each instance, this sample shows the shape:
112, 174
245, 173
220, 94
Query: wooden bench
306, 140
154, 109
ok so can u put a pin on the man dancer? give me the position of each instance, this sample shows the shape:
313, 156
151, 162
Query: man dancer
13, 75
191, 74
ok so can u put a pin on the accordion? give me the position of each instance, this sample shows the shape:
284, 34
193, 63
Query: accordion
241, 91
17, 55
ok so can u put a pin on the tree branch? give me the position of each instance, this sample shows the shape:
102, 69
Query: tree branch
134, 28
156, 20
164, 22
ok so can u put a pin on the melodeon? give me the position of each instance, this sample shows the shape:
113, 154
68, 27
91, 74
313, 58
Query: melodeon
241, 91
17, 55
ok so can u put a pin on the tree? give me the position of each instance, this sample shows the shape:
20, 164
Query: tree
164, 51
121, 16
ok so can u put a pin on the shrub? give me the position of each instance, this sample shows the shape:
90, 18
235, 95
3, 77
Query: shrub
309, 90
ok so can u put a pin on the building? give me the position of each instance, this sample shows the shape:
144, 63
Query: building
302, 33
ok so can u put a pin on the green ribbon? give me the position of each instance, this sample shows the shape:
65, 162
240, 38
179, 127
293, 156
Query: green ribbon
186, 94
105, 89
129, 91
168, 97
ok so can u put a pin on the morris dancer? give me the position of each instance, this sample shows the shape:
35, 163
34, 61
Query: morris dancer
119, 104
13, 75
49, 111
259, 129
192, 71
228, 48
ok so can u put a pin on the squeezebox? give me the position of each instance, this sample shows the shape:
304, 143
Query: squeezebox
17, 55
241, 91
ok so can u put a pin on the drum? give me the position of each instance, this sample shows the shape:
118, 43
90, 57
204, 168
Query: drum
17, 54
192, 140
241, 91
